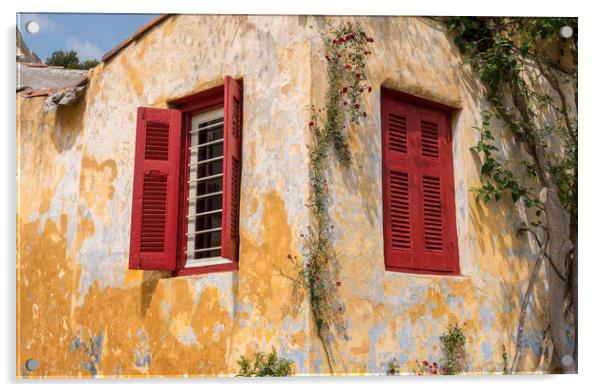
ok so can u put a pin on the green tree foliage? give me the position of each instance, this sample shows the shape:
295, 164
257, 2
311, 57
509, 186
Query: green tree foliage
69, 60
537, 101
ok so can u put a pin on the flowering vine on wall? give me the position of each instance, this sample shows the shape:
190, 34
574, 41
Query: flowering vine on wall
346, 47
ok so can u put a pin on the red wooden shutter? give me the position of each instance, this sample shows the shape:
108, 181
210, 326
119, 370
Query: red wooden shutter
436, 202
398, 181
153, 234
232, 167
418, 195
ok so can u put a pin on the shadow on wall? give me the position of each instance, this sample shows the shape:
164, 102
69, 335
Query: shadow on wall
69, 124
150, 280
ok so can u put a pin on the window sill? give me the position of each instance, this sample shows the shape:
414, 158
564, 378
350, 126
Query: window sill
410, 271
216, 264
207, 262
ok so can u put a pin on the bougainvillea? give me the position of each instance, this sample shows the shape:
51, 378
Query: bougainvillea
346, 48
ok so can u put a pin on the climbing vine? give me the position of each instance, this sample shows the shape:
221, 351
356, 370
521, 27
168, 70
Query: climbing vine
346, 48
531, 96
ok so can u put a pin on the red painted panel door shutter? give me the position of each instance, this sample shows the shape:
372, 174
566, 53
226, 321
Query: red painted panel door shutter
233, 115
437, 217
398, 181
153, 234
418, 195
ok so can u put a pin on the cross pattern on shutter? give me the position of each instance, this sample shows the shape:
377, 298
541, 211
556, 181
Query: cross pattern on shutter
418, 199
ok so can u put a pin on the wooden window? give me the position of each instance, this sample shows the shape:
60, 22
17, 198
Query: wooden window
187, 183
418, 187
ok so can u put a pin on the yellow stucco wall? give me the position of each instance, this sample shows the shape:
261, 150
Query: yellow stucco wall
81, 312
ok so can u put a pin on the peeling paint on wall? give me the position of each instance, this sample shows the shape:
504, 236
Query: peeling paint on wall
84, 314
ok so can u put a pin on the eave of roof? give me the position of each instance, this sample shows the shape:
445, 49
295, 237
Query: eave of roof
137, 34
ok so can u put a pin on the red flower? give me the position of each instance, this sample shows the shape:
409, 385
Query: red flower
340, 308
356, 106
370, 39
345, 90
348, 66
349, 37
289, 256
369, 89
445, 369
328, 58
311, 124
317, 278
338, 284
425, 363
435, 364
345, 103
365, 52
339, 55
358, 75
364, 114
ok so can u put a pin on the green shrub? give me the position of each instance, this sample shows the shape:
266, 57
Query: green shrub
265, 365
452, 347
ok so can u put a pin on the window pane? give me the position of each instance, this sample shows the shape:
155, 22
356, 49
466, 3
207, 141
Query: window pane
205, 186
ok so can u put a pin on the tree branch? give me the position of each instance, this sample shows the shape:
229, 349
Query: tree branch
526, 298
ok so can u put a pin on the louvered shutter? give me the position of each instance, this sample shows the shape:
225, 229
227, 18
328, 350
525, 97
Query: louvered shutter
153, 234
418, 195
398, 181
233, 115
436, 204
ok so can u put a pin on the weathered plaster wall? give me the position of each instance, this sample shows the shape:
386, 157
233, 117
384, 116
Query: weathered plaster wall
81, 312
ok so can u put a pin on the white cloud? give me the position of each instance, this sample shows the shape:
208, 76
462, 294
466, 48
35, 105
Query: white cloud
85, 50
47, 25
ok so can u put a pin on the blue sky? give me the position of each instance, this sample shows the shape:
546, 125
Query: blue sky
90, 35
